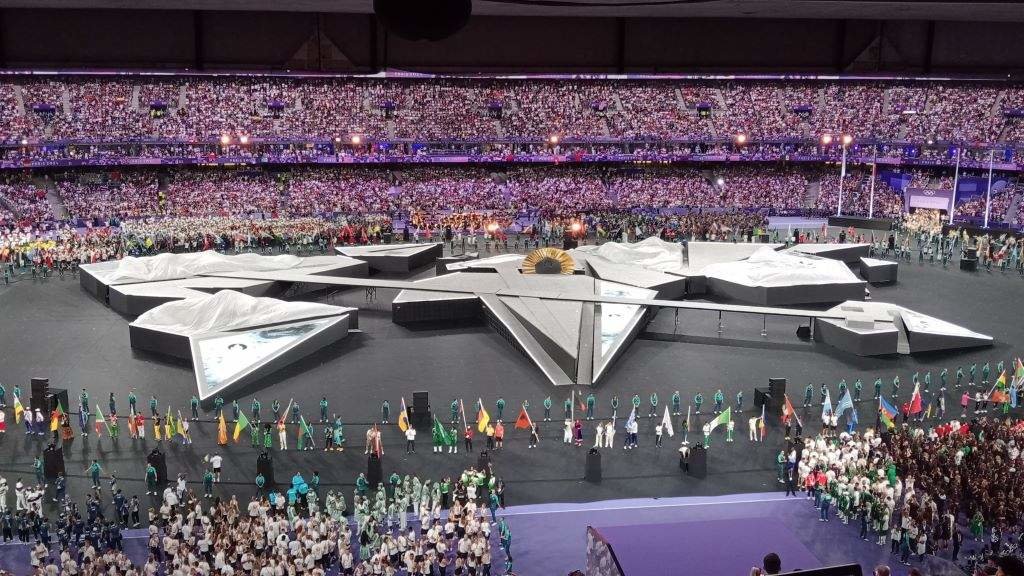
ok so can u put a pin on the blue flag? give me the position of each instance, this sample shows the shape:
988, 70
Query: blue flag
1013, 394
631, 419
846, 403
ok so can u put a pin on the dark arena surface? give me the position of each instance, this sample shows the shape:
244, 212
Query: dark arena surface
52, 328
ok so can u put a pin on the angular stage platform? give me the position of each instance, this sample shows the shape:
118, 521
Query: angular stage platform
876, 271
772, 278
133, 286
394, 257
572, 342
879, 328
232, 338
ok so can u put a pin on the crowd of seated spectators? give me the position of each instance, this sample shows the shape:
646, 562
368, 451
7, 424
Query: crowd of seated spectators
185, 108
857, 195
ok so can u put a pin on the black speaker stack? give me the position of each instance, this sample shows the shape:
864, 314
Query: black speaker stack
969, 262
265, 466
420, 417
803, 332
40, 390
157, 460
374, 469
771, 397
593, 471
698, 462
53, 462
57, 397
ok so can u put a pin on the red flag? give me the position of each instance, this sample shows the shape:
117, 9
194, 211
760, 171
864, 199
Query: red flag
915, 400
523, 421
787, 409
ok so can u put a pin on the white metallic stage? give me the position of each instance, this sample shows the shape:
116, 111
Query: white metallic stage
572, 324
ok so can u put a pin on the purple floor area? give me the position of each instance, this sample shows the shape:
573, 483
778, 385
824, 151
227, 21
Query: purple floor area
682, 547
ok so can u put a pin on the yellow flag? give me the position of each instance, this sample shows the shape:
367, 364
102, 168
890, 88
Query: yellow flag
403, 417
18, 410
222, 431
482, 417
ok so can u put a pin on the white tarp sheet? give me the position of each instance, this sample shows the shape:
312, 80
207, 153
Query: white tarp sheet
176, 266
770, 268
228, 310
652, 253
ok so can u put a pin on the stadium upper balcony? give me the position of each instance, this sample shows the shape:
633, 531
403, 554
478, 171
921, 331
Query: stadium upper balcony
109, 119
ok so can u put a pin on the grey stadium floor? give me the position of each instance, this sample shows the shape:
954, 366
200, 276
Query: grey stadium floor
51, 328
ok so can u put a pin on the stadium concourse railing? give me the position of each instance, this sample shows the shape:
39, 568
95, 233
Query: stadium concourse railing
53, 156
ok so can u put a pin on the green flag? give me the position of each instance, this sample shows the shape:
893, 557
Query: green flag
723, 418
240, 425
305, 428
442, 434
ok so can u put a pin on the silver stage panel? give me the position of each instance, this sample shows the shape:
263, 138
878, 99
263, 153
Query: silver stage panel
787, 295
394, 257
876, 328
849, 253
878, 340
571, 340
877, 271
134, 299
232, 359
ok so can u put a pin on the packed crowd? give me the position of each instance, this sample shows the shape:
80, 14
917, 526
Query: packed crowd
857, 196
190, 107
401, 525
917, 489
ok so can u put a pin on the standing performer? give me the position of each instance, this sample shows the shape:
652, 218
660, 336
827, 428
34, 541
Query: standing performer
547, 409
698, 399
676, 401
719, 399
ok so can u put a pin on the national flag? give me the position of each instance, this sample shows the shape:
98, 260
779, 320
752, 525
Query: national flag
482, 417
723, 418
631, 419
523, 421
1013, 392
886, 412
666, 423
915, 400
287, 410
55, 418
686, 423
222, 431
304, 428
241, 424
788, 410
998, 393
583, 405
846, 403
378, 448
403, 417
826, 407
572, 406
761, 427
441, 432
462, 410
1018, 372
100, 419
168, 424
886, 408
179, 428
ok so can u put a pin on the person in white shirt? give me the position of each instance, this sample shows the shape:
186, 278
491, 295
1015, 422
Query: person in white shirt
215, 461
599, 435
410, 440
609, 435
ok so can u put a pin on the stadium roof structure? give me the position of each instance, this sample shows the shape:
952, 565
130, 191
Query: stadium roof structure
992, 10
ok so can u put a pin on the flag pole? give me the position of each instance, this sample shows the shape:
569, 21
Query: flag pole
686, 428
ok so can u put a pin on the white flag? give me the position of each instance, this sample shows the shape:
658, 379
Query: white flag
666, 423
